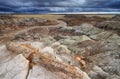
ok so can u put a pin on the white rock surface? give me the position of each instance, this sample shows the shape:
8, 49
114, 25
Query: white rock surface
48, 50
85, 38
81, 38
85, 76
35, 44
4, 54
39, 72
16, 68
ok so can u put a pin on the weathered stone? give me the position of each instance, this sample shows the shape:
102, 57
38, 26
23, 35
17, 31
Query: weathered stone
55, 45
98, 73
113, 67
85, 76
102, 36
87, 29
18, 48
15, 68
5, 55
47, 60
114, 25
81, 38
63, 53
74, 49
104, 61
48, 40
113, 77
66, 29
72, 42
111, 46
84, 28
114, 38
116, 18
49, 50
62, 49
67, 41
38, 72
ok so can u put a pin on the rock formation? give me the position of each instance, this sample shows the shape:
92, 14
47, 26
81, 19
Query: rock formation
15, 68
44, 59
84, 51
114, 25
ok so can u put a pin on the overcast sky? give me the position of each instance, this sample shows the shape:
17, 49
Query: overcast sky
48, 6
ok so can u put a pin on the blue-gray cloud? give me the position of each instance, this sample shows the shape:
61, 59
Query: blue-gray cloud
51, 6
104, 3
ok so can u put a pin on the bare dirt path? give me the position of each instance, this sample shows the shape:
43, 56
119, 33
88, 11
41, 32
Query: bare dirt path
11, 35
60, 24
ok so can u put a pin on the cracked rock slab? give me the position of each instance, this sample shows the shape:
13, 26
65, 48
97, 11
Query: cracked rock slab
38, 72
16, 68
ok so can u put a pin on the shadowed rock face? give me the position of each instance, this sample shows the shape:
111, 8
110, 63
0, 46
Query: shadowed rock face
114, 25
116, 18
73, 20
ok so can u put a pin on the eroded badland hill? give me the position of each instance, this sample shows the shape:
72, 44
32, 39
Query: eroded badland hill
59, 47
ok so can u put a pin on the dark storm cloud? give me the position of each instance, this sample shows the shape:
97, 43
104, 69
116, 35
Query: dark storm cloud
114, 4
103, 3
48, 6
